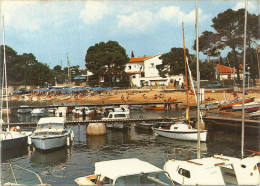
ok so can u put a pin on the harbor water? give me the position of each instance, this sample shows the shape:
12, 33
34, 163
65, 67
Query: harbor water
62, 166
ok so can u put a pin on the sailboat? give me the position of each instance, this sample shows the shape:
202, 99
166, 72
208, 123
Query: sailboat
181, 128
14, 137
218, 169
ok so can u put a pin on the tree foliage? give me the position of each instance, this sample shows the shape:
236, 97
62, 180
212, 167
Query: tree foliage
172, 62
106, 59
229, 33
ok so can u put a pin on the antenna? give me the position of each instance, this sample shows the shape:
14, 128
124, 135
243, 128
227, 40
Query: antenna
68, 63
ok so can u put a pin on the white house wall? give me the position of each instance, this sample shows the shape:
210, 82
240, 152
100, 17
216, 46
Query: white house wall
150, 66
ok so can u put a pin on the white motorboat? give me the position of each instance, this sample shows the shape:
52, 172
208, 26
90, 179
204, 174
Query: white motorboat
61, 112
51, 133
144, 125
254, 114
52, 110
126, 172
38, 112
253, 104
24, 109
215, 170
113, 116
81, 111
182, 131
13, 138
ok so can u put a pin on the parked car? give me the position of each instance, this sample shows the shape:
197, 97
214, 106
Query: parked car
217, 84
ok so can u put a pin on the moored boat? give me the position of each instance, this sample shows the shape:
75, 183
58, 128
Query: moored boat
236, 101
144, 125
37, 112
252, 104
116, 124
215, 170
254, 114
180, 130
24, 109
51, 133
126, 172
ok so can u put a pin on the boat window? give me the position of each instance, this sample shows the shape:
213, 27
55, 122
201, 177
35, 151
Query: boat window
107, 180
119, 115
144, 179
175, 127
50, 126
184, 172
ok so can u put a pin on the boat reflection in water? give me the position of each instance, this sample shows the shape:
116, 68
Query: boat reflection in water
53, 157
11, 153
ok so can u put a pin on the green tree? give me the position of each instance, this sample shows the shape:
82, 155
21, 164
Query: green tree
106, 59
38, 74
229, 31
172, 62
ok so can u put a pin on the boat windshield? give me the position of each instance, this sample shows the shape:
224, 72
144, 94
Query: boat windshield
157, 178
50, 126
47, 133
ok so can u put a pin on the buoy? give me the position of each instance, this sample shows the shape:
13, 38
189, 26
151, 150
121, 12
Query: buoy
96, 129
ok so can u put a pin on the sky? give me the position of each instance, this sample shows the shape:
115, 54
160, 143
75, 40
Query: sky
55, 29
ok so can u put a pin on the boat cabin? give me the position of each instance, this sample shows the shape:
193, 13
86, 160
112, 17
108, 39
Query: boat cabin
117, 115
51, 123
126, 172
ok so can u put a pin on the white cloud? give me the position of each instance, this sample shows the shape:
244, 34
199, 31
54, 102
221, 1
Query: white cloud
175, 15
33, 15
94, 11
144, 20
137, 21
251, 6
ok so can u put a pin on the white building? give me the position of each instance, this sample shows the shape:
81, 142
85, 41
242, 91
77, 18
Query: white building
143, 72
225, 73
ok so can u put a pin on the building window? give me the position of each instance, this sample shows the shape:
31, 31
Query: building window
152, 64
129, 67
133, 76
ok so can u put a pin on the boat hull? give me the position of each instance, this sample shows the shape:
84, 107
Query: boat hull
191, 135
13, 143
146, 126
51, 142
229, 106
117, 125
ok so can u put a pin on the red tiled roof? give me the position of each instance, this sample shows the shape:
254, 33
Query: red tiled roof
135, 72
226, 70
137, 59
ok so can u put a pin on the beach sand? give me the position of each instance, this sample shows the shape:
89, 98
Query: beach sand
148, 96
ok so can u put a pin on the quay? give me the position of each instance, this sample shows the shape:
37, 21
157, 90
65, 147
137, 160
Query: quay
86, 122
211, 121
176, 103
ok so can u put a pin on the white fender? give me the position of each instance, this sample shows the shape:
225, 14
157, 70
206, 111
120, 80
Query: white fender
29, 140
68, 140
72, 136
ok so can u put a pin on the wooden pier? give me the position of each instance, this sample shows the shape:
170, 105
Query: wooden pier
86, 122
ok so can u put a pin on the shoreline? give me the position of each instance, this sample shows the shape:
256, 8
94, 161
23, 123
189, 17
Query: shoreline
137, 96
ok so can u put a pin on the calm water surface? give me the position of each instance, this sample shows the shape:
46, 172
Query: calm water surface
62, 166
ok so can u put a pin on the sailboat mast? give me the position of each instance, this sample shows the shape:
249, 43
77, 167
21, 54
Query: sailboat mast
186, 75
244, 69
5, 74
198, 79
